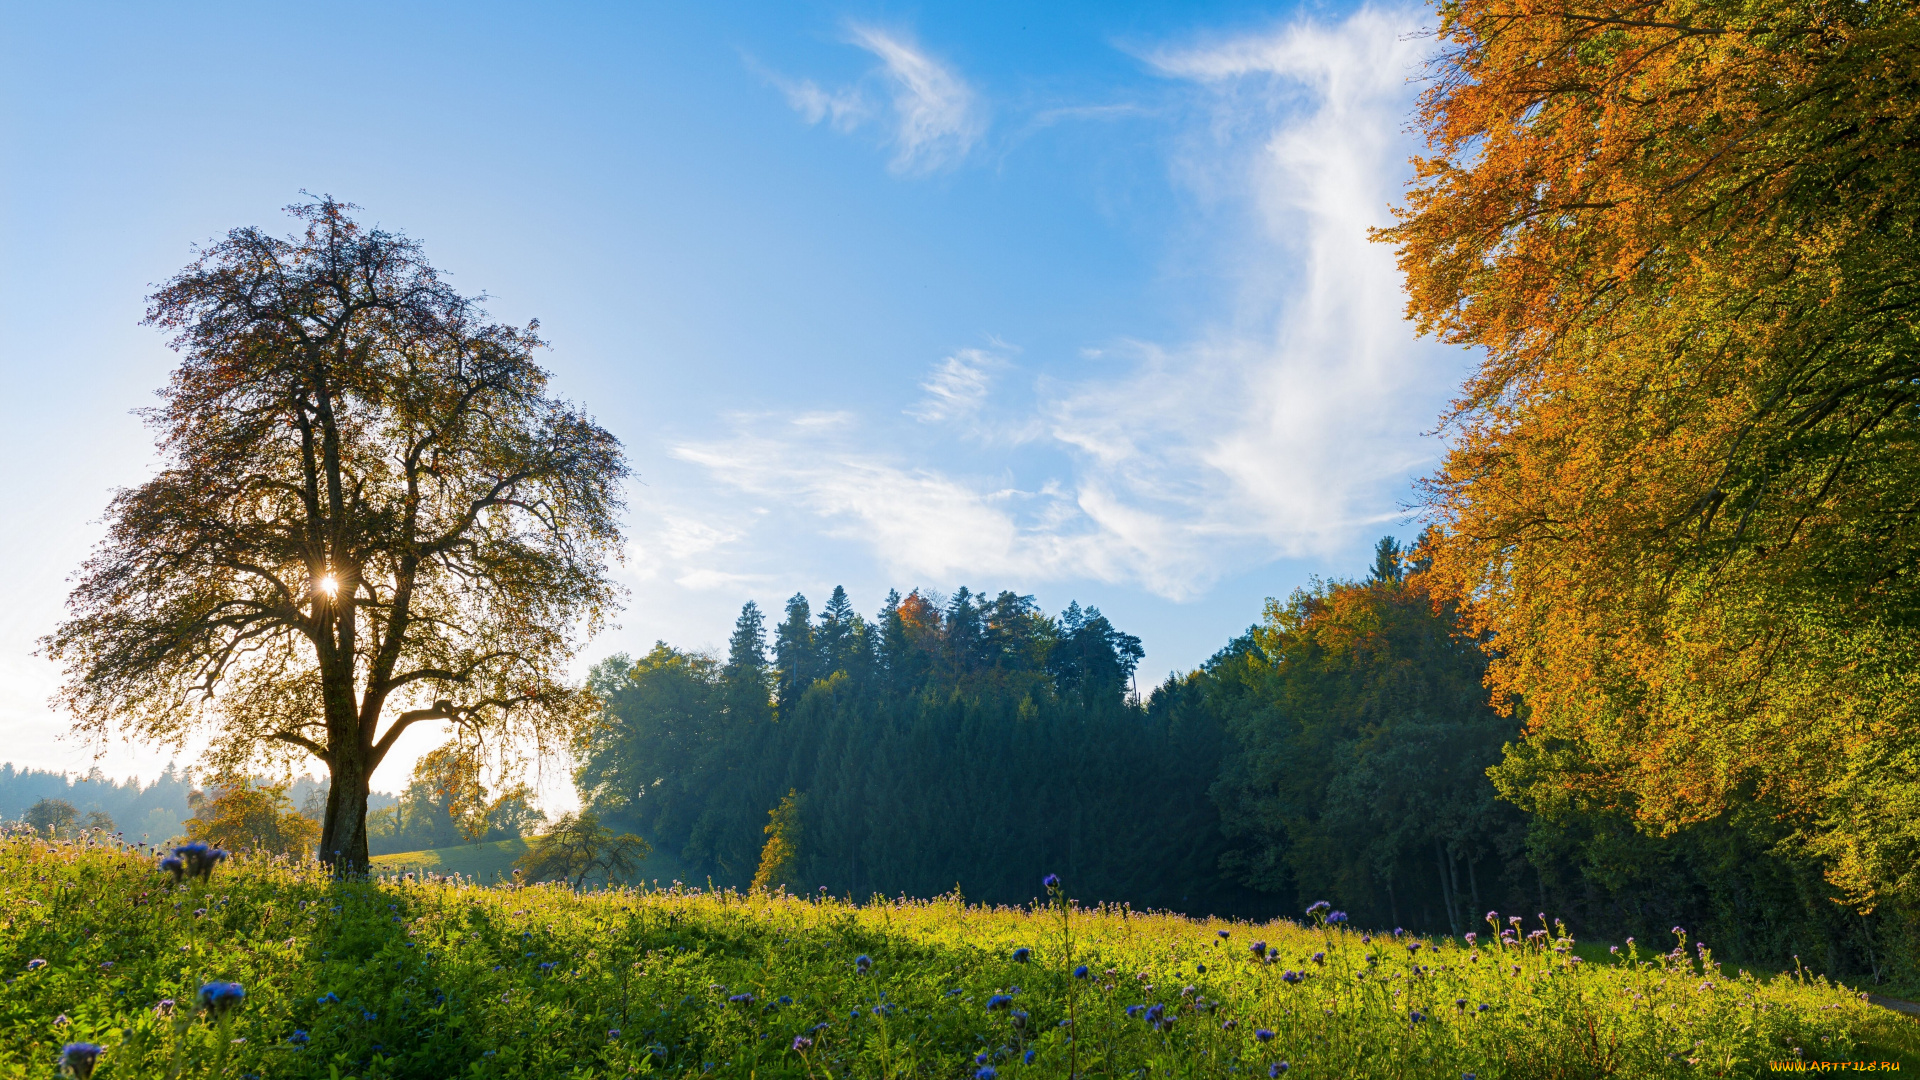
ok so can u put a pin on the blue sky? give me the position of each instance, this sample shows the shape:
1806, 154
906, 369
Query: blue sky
1078, 303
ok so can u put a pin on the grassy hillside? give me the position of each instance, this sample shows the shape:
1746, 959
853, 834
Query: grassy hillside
435, 978
493, 862
486, 863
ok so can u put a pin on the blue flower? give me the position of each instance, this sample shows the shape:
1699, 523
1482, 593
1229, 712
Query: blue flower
36, 964
999, 1001
1080, 972
1259, 948
174, 866
802, 1044
1320, 958
1051, 881
328, 998
77, 1059
1022, 954
613, 1034
740, 999
1019, 1018
1027, 1058
1135, 1010
1291, 976
298, 1038
1337, 918
863, 963
1277, 1068
220, 998
1317, 907
1224, 933
1415, 1016
984, 1072
1263, 1035
785, 1000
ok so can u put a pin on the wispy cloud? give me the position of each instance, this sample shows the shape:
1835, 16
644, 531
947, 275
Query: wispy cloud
933, 116
1286, 425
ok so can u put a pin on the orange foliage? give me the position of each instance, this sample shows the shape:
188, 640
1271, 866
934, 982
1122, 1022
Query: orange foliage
1681, 488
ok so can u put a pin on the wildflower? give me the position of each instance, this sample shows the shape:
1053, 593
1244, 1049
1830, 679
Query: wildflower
77, 1059
984, 1072
802, 1044
106, 965
862, 964
1135, 1010
173, 866
1472, 938
999, 1001
1019, 1018
61, 1020
1263, 1035
1224, 933
1080, 972
1317, 907
1276, 1069
328, 998
1201, 968
1291, 976
1027, 1058
1415, 1016
1229, 1024
1459, 1003
1259, 948
1336, 918
164, 1009
369, 1017
220, 998
980, 1059
1413, 947
1022, 954
1050, 882
1366, 939
1678, 932
740, 999
36, 964
1320, 958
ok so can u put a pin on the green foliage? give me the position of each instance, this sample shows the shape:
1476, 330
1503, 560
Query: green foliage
435, 978
51, 816
251, 815
976, 741
579, 845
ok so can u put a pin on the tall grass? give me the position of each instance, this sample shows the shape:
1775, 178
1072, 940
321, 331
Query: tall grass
436, 977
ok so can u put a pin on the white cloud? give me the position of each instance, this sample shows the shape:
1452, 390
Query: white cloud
1286, 426
935, 116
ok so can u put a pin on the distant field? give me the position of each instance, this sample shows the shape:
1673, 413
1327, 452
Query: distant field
388, 979
488, 863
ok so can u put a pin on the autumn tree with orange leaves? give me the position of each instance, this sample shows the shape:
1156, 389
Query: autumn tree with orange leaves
1683, 481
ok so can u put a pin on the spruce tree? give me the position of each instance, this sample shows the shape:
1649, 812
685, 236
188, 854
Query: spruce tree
746, 675
794, 652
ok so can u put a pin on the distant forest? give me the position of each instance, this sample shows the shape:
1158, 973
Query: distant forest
155, 812
1342, 749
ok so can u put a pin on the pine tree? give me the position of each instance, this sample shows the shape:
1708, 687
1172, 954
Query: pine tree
746, 676
834, 638
794, 652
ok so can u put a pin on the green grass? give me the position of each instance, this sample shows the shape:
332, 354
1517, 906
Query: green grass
486, 863
492, 863
432, 977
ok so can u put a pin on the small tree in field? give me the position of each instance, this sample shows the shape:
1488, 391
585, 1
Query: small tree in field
780, 856
370, 513
248, 815
51, 816
577, 845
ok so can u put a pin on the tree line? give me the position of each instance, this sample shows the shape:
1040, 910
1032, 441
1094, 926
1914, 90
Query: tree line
1343, 748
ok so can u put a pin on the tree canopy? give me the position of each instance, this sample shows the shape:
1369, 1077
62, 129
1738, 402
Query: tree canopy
1681, 491
369, 513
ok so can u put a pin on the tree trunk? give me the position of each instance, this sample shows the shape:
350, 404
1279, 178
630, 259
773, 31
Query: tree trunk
1446, 894
1473, 882
343, 836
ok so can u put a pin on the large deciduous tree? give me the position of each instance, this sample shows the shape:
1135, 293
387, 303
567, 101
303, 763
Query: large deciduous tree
370, 513
1684, 481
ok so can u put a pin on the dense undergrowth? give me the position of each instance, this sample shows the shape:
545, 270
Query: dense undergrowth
439, 978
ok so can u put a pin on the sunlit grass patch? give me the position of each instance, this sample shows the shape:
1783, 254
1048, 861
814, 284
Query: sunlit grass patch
431, 977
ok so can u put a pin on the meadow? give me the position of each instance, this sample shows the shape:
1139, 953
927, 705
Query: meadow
433, 976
